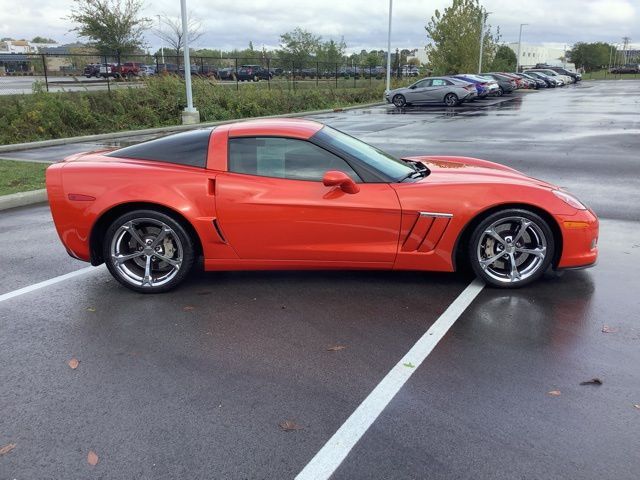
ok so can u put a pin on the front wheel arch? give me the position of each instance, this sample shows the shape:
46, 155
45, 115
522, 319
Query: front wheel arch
459, 256
101, 225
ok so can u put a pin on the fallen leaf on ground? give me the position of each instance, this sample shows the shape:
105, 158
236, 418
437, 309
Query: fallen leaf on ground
289, 426
188, 308
91, 309
637, 405
608, 329
554, 393
7, 448
92, 458
409, 365
593, 381
73, 363
335, 348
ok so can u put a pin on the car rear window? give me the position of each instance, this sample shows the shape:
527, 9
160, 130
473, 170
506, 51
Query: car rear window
187, 148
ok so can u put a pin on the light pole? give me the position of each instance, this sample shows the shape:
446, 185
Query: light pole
389, 48
161, 44
519, 46
482, 26
190, 115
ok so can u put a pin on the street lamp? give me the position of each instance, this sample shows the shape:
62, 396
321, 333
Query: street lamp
482, 27
161, 44
190, 115
389, 48
519, 46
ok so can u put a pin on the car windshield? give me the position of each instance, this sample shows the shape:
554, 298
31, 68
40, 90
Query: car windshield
376, 158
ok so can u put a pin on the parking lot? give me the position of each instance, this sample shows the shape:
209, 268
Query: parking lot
248, 375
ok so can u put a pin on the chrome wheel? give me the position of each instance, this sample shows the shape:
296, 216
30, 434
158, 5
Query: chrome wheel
451, 100
146, 252
399, 101
513, 249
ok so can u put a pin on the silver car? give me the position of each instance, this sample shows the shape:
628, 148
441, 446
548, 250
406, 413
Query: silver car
447, 90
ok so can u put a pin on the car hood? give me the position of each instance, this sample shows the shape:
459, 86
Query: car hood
446, 169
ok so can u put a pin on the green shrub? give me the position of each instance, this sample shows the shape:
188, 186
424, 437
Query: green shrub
158, 102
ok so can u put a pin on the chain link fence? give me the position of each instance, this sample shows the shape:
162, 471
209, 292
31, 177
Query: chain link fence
25, 73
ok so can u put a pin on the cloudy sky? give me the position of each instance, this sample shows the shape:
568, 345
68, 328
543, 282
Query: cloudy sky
363, 23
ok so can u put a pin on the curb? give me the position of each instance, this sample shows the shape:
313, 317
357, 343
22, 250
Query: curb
173, 128
22, 199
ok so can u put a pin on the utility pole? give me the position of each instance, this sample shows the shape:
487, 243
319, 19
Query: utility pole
483, 21
189, 115
625, 49
519, 46
389, 48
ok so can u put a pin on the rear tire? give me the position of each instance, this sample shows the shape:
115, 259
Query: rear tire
148, 251
451, 100
500, 91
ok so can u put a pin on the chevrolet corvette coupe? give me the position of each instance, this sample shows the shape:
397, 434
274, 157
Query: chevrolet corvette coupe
296, 194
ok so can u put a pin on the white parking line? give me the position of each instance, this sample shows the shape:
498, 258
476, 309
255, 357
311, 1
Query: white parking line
329, 458
46, 283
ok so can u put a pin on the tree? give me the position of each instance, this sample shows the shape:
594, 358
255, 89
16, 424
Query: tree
112, 26
43, 40
331, 52
591, 56
455, 36
505, 60
172, 31
298, 45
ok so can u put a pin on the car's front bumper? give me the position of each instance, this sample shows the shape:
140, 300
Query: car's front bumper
579, 239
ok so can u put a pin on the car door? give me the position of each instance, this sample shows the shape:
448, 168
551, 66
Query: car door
272, 205
419, 92
439, 88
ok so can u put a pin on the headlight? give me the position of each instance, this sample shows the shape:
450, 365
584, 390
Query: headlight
569, 199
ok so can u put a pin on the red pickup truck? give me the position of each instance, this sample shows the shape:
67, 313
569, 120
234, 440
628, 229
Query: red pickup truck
125, 70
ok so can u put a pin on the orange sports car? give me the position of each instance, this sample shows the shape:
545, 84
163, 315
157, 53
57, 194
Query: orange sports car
296, 194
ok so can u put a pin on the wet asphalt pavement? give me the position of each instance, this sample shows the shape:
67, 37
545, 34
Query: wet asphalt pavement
193, 384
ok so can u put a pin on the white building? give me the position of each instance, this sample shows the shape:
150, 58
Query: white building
530, 55
420, 54
16, 46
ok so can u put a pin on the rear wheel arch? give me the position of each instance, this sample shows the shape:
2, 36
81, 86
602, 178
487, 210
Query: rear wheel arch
459, 258
101, 225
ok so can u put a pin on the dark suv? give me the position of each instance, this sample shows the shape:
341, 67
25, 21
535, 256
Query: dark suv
92, 70
253, 73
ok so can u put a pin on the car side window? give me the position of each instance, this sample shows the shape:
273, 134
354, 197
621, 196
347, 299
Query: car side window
284, 158
423, 83
438, 82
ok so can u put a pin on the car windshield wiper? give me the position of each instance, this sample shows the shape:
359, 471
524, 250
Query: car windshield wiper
419, 170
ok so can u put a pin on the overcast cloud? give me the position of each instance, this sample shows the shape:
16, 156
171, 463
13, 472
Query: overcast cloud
363, 23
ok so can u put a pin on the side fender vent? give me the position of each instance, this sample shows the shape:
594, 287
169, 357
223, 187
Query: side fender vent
426, 232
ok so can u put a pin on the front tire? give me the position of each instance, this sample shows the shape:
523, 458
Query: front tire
511, 248
148, 251
500, 91
399, 101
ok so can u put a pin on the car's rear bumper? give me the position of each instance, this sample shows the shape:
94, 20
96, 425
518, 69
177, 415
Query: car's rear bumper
579, 240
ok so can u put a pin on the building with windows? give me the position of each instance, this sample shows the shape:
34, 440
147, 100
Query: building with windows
531, 55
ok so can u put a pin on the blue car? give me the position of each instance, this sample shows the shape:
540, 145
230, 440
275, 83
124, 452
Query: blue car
481, 87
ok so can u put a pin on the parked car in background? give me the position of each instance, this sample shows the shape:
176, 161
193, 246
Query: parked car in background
227, 73
540, 83
555, 81
448, 90
515, 78
628, 68
147, 70
562, 71
91, 70
167, 68
505, 84
482, 87
253, 73
528, 82
566, 80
